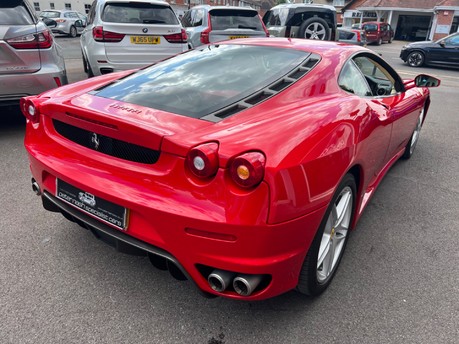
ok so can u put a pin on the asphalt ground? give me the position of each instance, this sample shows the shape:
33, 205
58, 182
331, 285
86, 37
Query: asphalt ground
397, 283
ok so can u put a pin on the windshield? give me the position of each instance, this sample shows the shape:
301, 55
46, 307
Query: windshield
132, 12
17, 15
276, 17
203, 81
235, 19
50, 14
370, 27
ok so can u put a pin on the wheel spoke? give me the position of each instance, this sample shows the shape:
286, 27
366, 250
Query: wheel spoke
343, 210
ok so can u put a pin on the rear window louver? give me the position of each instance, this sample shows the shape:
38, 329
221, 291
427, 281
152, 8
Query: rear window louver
267, 92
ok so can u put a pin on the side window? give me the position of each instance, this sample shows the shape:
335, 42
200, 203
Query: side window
92, 13
198, 17
378, 78
352, 80
186, 20
454, 41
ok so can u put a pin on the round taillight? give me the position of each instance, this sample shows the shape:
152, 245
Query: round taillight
203, 160
247, 170
30, 109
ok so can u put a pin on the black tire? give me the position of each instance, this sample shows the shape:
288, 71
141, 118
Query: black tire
314, 28
313, 280
73, 31
87, 67
411, 145
415, 59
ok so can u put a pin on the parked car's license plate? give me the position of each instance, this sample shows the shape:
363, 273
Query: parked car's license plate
234, 37
145, 40
105, 211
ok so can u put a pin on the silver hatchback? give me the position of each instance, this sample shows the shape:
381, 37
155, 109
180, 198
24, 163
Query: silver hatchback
64, 22
30, 60
123, 35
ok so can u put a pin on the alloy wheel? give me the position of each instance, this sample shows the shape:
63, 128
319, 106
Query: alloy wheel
335, 233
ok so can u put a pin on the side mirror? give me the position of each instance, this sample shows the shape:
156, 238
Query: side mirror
79, 23
424, 80
442, 44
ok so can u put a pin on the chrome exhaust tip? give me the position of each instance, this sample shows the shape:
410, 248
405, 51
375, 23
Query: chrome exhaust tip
219, 280
244, 285
36, 187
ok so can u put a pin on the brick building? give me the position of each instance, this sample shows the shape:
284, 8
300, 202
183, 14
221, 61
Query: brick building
412, 20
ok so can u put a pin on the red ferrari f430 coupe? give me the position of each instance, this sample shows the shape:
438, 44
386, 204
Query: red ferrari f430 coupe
241, 166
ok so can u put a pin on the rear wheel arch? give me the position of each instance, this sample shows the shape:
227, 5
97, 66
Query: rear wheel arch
357, 172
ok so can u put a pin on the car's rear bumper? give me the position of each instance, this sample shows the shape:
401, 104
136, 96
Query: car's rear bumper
190, 229
16, 86
102, 62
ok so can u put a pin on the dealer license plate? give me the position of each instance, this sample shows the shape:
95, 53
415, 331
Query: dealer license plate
105, 211
234, 37
145, 40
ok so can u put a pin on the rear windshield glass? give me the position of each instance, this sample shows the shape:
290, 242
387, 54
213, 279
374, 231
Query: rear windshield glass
202, 81
12, 13
136, 12
50, 14
235, 19
371, 27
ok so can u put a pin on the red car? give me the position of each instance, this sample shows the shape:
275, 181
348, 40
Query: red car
378, 32
241, 166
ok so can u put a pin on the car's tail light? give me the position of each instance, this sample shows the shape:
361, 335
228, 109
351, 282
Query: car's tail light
60, 20
177, 37
247, 170
202, 160
39, 40
205, 33
100, 35
30, 108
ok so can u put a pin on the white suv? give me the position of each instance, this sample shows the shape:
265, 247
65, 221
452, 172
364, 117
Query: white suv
129, 34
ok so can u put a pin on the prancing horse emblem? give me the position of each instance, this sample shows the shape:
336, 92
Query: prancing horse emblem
95, 140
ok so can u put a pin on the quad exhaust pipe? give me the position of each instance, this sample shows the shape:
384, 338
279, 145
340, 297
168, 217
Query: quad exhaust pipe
219, 280
244, 285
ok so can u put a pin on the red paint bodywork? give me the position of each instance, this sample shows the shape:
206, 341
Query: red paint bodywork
312, 134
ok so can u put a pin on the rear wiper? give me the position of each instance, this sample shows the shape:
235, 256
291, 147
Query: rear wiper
153, 21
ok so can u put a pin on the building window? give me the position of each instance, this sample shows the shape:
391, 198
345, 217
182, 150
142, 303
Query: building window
36, 6
87, 8
338, 2
68, 6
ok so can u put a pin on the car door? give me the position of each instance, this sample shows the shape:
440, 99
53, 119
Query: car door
375, 129
448, 50
390, 103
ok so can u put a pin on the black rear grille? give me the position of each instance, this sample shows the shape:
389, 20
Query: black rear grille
106, 145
